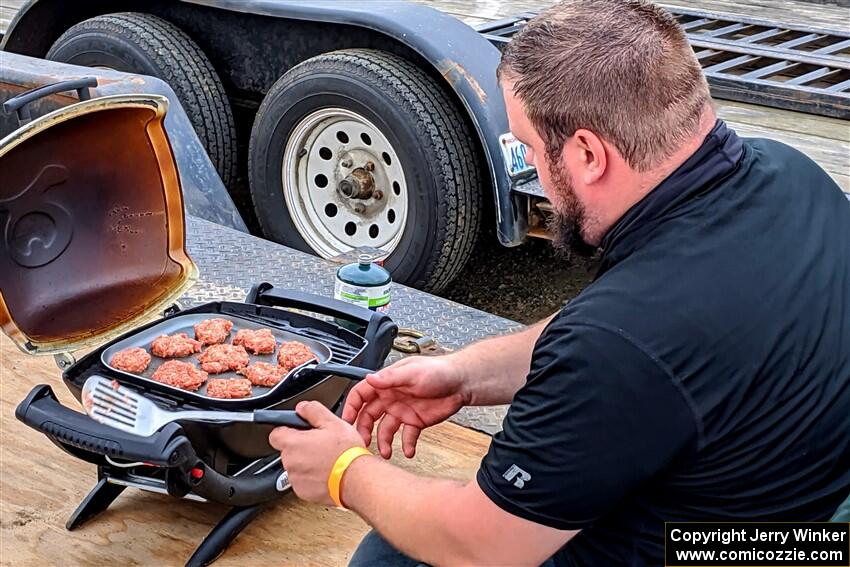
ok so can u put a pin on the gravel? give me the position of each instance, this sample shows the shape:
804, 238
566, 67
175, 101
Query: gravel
525, 283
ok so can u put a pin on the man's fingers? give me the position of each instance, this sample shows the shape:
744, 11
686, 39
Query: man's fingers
369, 414
365, 423
386, 431
392, 377
277, 438
359, 395
315, 413
409, 436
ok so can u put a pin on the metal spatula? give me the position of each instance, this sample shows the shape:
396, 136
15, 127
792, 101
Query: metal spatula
109, 403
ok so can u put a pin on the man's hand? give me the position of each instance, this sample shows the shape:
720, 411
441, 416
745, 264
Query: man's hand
308, 456
416, 392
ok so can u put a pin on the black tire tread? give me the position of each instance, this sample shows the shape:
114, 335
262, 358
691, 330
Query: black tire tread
445, 132
186, 69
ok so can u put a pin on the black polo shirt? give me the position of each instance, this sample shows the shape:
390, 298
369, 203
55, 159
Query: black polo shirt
703, 375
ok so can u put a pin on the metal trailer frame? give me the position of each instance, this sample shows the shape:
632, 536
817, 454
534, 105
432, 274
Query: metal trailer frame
461, 59
752, 60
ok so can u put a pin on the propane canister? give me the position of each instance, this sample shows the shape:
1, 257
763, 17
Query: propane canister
364, 283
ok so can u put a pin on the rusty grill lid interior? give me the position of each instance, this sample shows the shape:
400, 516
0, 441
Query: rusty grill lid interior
93, 234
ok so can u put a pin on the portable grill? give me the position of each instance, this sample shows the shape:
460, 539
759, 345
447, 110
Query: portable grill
93, 236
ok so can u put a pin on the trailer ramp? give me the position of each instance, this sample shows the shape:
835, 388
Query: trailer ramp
781, 65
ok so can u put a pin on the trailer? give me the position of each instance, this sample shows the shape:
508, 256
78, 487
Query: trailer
380, 124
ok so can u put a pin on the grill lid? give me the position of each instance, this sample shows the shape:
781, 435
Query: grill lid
91, 224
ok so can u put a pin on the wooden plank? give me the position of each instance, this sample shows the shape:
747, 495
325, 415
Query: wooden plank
833, 158
830, 129
6, 14
805, 13
42, 485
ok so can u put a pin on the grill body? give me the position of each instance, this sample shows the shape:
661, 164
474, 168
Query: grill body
230, 463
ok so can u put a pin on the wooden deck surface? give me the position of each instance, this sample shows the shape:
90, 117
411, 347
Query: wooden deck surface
40, 486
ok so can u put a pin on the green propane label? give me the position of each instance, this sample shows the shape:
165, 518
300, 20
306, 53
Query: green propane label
375, 298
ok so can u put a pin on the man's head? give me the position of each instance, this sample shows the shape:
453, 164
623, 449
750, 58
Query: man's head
609, 98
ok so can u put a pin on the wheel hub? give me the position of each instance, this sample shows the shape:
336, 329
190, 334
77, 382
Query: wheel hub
357, 185
344, 184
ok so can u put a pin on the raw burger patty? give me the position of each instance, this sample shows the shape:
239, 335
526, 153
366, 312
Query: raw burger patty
213, 331
221, 358
261, 341
180, 374
264, 374
293, 353
175, 346
229, 388
133, 360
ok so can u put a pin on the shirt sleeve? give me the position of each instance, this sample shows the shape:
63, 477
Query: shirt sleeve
596, 418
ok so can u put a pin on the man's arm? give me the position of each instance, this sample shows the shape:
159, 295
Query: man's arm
493, 370
593, 401
442, 522
420, 391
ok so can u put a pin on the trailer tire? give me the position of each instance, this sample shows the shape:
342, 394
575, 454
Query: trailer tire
141, 43
395, 103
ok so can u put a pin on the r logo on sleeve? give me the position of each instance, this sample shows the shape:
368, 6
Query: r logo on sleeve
516, 474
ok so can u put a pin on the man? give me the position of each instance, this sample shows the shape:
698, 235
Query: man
703, 375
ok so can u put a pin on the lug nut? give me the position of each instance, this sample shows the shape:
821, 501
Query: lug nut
378, 195
359, 208
346, 162
370, 166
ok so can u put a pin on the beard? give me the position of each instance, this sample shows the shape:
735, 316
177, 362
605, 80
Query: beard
569, 218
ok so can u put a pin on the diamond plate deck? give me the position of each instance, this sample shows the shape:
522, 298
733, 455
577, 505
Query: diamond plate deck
531, 187
230, 262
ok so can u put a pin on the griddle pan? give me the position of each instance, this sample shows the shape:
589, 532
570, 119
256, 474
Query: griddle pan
185, 324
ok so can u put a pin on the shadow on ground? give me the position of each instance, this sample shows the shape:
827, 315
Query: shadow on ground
526, 283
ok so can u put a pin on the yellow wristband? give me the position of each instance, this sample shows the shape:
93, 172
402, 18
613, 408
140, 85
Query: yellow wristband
338, 470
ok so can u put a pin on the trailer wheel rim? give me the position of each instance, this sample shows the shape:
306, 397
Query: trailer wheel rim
344, 184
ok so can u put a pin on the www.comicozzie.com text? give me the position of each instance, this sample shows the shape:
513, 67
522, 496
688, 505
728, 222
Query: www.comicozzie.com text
726, 536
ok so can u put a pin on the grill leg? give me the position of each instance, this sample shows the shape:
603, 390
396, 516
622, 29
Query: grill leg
223, 533
97, 500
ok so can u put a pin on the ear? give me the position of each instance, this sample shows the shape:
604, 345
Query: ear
592, 157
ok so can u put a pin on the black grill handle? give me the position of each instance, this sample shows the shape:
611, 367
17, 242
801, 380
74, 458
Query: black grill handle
19, 103
355, 373
76, 431
281, 417
242, 490
380, 329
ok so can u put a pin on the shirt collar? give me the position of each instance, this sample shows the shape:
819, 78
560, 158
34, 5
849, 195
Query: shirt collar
716, 158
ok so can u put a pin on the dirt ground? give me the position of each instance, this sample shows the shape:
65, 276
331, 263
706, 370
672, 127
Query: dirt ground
526, 283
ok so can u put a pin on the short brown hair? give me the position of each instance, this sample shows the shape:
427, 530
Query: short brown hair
623, 69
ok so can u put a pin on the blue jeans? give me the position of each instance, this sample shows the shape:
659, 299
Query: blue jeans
375, 551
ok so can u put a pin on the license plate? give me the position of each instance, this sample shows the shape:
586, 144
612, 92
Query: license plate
514, 153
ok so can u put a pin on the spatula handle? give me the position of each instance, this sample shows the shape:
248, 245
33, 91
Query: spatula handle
281, 417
